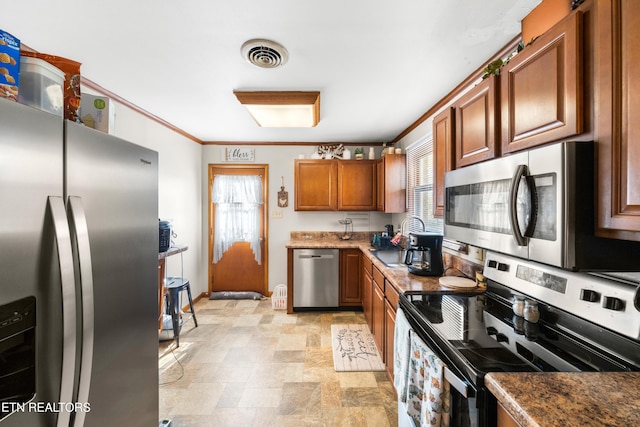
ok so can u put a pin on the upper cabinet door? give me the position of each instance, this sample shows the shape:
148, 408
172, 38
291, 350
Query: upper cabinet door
316, 185
443, 140
617, 83
477, 124
392, 183
541, 88
357, 185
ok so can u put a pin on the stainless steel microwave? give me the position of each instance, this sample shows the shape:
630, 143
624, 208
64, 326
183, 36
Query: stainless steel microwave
537, 205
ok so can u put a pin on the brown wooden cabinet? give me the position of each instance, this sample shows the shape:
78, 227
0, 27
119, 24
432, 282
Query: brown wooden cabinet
330, 185
367, 291
379, 304
504, 418
443, 155
617, 114
477, 124
350, 271
541, 88
390, 308
356, 185
316, 185
392, 183
378, 313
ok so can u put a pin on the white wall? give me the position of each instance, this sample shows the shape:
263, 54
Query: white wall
179, 198
280, 159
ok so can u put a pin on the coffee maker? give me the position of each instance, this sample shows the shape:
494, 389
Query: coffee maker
424, 254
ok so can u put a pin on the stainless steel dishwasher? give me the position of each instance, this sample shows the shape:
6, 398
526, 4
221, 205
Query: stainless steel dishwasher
315, 278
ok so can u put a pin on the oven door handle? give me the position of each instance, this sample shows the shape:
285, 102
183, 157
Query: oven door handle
456, 382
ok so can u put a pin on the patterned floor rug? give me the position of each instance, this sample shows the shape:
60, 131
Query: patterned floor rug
354, 349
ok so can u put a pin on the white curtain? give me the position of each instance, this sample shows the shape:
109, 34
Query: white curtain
237, 199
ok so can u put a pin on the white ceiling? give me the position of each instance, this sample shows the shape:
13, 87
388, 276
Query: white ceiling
379, 65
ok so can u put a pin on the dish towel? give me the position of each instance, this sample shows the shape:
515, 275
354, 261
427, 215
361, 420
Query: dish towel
401, 347
428, 396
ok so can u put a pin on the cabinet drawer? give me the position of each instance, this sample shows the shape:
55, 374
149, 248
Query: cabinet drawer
378, 278
392, 295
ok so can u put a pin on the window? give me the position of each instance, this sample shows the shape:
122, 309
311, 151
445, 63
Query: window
237, 199
420, 186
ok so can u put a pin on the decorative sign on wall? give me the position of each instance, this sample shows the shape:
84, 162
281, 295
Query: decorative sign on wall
283, 196
235, 154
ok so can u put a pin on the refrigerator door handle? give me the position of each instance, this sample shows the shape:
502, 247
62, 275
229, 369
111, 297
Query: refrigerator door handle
80, 235
67, 279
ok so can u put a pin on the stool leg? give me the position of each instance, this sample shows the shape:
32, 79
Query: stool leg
174, 298
193, 311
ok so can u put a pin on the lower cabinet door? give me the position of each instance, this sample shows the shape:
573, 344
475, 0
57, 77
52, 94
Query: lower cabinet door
378, 319
389, 327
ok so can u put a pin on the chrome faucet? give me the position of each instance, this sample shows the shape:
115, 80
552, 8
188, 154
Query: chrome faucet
404, 221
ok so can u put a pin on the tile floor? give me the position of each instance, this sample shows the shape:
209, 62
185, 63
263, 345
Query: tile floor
249, 365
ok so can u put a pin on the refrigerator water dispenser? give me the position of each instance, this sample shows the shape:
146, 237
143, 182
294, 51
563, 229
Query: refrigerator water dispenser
17, 353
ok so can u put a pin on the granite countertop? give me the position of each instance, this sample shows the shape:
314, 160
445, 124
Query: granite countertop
568, 399
398, 277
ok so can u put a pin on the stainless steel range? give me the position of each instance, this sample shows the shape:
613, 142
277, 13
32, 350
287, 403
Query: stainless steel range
532, 317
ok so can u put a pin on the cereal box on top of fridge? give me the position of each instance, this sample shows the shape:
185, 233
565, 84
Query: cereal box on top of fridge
9, 66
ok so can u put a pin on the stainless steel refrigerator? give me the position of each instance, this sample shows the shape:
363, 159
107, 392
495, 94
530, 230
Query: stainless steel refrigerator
78, 275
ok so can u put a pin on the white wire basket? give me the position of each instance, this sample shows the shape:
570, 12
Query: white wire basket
279, 297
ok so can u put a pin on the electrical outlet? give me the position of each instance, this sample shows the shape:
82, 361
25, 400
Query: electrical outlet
477, 253
276, 214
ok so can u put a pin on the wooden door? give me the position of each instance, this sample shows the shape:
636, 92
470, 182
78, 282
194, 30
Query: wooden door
377, 315
237, 270
357, 185
541, 89
389, 337
392, 187
350, 270
443, 140
380, 180
477, 125
316, 185
367, 291
617, 77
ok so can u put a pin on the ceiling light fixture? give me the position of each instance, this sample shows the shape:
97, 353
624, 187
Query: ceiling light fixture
282, 109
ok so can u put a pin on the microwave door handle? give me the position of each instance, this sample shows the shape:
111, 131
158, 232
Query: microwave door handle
533, 203
513, 205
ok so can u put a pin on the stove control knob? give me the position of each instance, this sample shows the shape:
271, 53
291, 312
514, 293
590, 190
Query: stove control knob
503, 267
492, 331
589, 295
502, 338
492, 264
612, 303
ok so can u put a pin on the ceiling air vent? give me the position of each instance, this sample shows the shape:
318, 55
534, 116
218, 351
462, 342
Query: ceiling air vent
264, 53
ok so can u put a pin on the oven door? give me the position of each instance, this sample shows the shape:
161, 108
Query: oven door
471, 405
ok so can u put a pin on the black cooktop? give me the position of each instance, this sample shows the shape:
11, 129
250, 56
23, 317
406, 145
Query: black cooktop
479, 333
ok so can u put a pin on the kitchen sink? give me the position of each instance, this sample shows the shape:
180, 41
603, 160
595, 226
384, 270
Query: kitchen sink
392, 257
